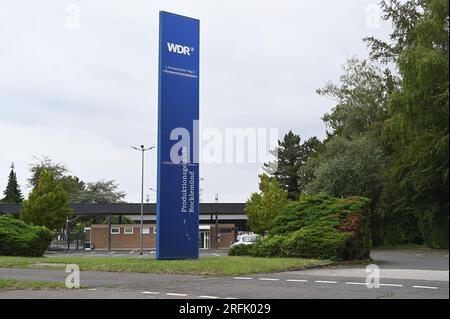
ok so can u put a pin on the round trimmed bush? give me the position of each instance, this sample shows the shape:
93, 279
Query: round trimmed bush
20, 239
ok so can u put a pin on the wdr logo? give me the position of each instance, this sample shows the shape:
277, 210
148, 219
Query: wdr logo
179, 49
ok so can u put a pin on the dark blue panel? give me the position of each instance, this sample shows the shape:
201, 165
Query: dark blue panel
178, 115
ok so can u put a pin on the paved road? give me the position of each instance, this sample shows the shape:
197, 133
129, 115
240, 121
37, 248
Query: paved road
411, 259
397, 281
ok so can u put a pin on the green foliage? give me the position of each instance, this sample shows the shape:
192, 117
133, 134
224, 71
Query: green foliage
403, 15
263, 207
74, 188
417, 130
348, 168
351, 167
12, 193
291, 155
318, 227
47, 204
45, 164
362, 98
240, 250
288, 154
101, 192
20, 239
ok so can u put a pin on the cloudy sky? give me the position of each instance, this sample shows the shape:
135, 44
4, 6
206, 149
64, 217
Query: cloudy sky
78, 79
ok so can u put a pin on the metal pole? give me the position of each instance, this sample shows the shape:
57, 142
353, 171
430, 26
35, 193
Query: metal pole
142, 202
217, 221
67, 234
109, 232
142, 150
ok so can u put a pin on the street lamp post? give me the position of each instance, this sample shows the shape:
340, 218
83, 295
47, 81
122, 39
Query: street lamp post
142, 149
217, 220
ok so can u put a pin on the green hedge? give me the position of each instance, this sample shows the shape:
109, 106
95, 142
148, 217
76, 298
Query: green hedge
318, 227
20, 239
240, 250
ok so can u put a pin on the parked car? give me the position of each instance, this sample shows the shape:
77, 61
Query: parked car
245, 240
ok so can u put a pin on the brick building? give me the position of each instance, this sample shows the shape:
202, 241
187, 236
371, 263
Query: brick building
229, 217
127, 236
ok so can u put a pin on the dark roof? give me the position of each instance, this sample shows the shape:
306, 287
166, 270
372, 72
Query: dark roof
133, 209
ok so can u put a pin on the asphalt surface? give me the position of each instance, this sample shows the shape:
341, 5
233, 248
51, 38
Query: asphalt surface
405, 274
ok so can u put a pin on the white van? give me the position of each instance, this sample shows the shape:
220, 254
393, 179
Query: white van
245, 240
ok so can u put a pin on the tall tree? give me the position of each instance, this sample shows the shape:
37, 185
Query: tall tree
74, 188
361, 99
287, 164
46, 164
102, 192
311, 148
71, 184
418, 128
13, 194
404, 16
47, 205
263, 207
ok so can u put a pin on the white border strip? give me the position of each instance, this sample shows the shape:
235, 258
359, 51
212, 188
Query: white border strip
175, 294
269, 279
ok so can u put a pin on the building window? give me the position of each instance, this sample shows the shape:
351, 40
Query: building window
154, 230
128, 230
146, 231
115, 231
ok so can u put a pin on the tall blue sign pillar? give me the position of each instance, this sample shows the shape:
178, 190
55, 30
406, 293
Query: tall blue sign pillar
177, 209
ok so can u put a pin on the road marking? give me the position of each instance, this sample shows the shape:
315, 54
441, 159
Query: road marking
296, 280
391, 285
355, 283
209, 297
175, 294
269, 279
150, 292
230, 298
425, 287
326, 282
92, 289
216, 254
242, 278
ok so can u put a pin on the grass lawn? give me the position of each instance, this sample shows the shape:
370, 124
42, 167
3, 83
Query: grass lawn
205, 266
15, 284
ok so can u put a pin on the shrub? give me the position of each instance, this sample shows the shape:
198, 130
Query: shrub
271, 246
319, 227
240, 250
20, 239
